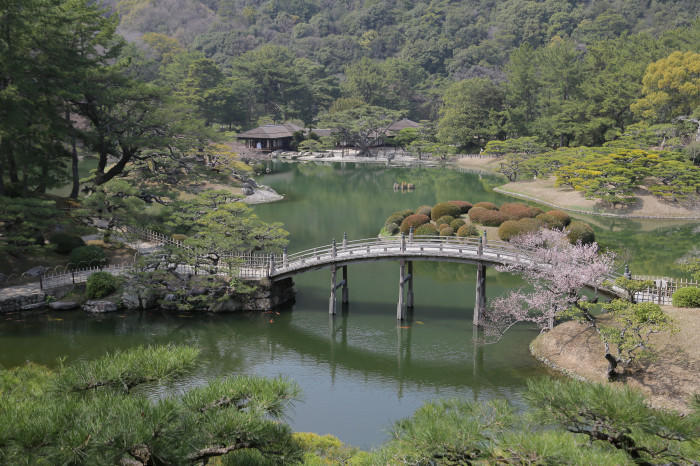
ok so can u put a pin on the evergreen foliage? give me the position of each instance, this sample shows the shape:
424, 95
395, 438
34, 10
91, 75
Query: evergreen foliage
91, 412
100, 284
686, 297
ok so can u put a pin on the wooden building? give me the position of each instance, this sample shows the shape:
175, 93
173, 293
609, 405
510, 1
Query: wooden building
270, 137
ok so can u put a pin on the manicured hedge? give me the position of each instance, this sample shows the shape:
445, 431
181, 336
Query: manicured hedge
457, 224
512, 228
427, 229
686, 297
444, 208
486, 217
445, 219
395, 218
580, 231
447, 231
464, 206
391, 228
424, 210
517, 210
414, 221
562, 216
403, 213
179, 237
100, 284
65, 243
550, 221
87, 256
468, 230
486, 205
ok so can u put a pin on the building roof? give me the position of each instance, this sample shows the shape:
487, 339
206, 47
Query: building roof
270, 132
403, 124
321, 132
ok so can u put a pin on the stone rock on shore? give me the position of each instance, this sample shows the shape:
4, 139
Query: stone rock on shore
63, 305
96, 306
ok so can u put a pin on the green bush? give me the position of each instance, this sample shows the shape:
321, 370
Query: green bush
468, 230
447, 231
464, 206
686, 297
100, 284
445, 219
562, 216
179, 237
442, 209
403, 213
394, 218
517, 210
87, 256
65, 243
580, 231
427, 229
486, 217
391, 228
550, 221
424, 210
457, 224
512, 228
486, 205
414, 221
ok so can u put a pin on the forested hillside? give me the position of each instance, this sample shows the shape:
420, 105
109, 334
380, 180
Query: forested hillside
564, 71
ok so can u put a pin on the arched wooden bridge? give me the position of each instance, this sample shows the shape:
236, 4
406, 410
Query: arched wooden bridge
405, 249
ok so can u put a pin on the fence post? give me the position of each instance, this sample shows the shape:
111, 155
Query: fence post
410, 235
403, 242
628, 275
334, 249
345, 240
284, 257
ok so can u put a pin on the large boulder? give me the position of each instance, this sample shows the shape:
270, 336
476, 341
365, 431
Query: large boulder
97, 306
63, 305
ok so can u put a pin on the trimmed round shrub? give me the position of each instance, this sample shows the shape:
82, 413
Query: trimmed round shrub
486, 205
457, 224
447, 231
561, 215
442, 209
403, 213
65, 243
414, 221
686, 297
394, 218
580, 231
391, 228
440, 226
512, 228
87, 256
486, 217
179, 237
550, 221
100, 284
427, 229
464, 206
424, 210
444, 219
517, 210
468, 230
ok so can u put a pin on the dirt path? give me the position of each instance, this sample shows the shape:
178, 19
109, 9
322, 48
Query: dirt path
543, 191
669, 380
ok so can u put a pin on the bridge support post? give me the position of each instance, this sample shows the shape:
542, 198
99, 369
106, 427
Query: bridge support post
409, 297
480, 304
400, 307
331, 301
345, 285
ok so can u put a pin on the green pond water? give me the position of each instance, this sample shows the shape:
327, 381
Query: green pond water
359, 371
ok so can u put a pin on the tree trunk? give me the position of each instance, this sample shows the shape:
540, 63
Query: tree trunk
74, 167
612, 365
12, 167
2, 175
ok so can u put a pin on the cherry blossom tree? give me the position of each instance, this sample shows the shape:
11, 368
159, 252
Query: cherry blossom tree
556, 272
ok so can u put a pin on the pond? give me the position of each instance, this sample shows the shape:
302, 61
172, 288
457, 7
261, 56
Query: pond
360, 371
